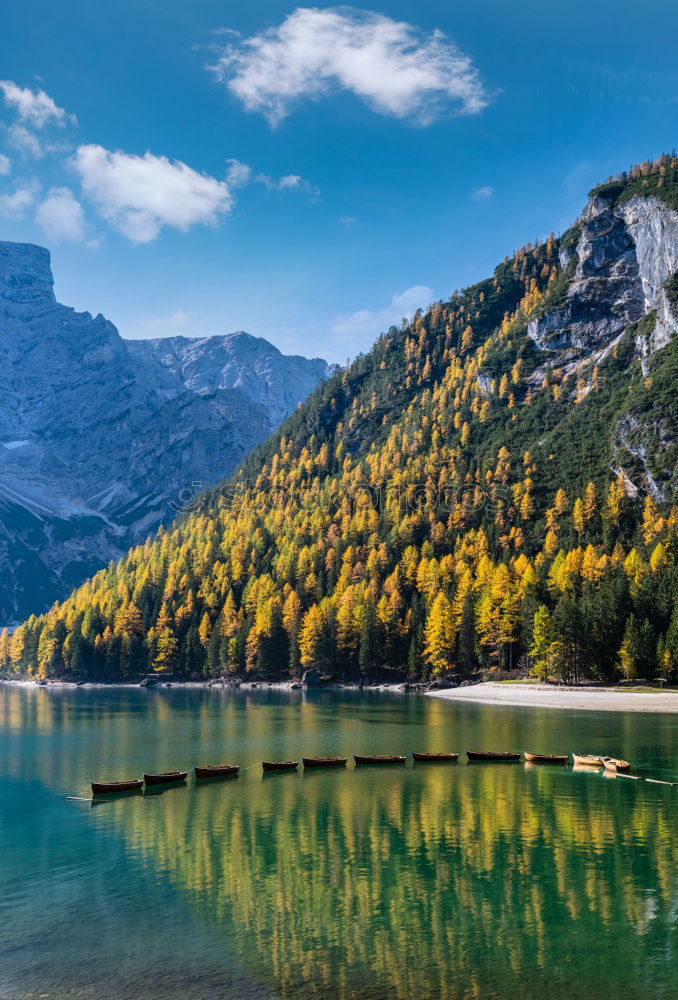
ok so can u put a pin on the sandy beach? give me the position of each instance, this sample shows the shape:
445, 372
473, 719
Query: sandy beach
543, 696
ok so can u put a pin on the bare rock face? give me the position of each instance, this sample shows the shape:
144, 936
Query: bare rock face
666, 327
623, 269
99, 436
252, 365
624, 256
653, 226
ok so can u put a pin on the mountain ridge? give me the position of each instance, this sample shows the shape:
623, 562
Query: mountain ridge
236, 360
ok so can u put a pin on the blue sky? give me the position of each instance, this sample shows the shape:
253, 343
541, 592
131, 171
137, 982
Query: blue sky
312, 174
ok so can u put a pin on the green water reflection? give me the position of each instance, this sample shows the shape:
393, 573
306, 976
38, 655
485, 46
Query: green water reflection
455, 881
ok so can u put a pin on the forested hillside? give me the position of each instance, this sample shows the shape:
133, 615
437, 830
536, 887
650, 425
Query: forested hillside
493, 486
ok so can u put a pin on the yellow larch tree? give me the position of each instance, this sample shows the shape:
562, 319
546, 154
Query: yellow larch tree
439, 635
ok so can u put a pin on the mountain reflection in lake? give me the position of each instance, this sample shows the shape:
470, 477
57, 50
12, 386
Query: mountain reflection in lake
428, 881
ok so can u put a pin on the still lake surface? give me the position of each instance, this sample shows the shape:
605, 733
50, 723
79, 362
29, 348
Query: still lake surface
429, 881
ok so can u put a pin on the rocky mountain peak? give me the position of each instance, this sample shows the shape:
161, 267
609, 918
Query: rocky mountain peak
25, 275
624, 255
208, 365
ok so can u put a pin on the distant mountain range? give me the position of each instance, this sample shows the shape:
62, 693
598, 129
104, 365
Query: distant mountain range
99, 436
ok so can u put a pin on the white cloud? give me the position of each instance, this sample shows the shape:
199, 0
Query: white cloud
348, 220
15, 206
177, 321
290, 182
34, 106
238, 174
482, 193
369, 323
138, 195
293, 182
391, 65
5, 165
25, 141
61, 217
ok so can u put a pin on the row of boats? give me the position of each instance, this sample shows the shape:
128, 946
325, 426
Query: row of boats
232, 770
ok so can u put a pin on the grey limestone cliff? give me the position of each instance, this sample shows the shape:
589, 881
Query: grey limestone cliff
624, 256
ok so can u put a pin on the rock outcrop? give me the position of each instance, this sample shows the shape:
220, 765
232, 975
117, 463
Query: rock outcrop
101, 440
625, 254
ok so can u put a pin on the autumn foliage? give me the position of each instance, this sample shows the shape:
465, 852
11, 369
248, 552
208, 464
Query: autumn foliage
447, 502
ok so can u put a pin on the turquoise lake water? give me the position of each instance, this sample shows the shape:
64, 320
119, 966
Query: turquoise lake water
429, 881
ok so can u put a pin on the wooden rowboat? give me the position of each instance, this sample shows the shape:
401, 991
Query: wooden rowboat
279, 765
216, 771
426, 758
614, 764
106, 787
546, 758
587, 761
324, 761
379, 760
169, 778
477, 755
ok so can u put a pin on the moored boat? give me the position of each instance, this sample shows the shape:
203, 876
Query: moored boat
379, 759
614, 764
489, 755
279, 765
168, 778
546, 758
216, 771
431, 758
324, 761
108, 787
586, 760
